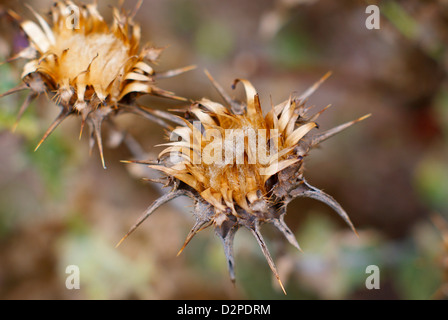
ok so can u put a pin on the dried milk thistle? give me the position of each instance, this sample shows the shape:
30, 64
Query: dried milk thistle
241, 168
88, 68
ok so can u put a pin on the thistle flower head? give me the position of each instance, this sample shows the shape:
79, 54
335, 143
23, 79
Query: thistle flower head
242, 168
89, 68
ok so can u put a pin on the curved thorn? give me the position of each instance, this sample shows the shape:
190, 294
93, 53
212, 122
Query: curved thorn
289, 235
62, 116
29, 99
164, 115
153, 207
19, 88
145, 114
198, 227
321, 196
218, 88
236, 107
173, 73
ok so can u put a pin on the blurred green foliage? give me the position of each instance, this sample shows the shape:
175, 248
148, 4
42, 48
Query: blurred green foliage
292, 48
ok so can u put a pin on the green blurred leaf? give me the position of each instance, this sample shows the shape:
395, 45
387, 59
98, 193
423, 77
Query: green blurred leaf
292, 48
432, 182
214, 40
404, 22
51, 160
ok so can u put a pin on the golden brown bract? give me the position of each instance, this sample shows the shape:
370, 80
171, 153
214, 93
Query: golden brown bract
87, 67
231, 193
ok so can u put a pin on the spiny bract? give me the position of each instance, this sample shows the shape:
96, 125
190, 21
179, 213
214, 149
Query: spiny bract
243, 190
88, 67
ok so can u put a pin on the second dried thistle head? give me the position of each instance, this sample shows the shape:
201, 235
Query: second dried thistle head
241, 168
87, 67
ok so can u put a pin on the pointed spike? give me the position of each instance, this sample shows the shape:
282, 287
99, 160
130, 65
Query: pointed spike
159, 181
317, 115
19, 88
289, 235
267, 255
27, 53
144, 112
314, 87
223, 93
227, 241
198, 227
153, 207
62, 116
29, 99
167, 94
321, 196
84, 116
127, 161
174, 73
136, 9
180, 110
332, 132
146, 162
164, 115
363, 118
15, 16
97, 123
83, 123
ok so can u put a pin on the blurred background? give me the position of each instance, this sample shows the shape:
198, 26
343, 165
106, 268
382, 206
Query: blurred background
58, 207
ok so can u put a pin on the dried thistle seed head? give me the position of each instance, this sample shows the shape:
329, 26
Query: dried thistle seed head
87, 67
242, 168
